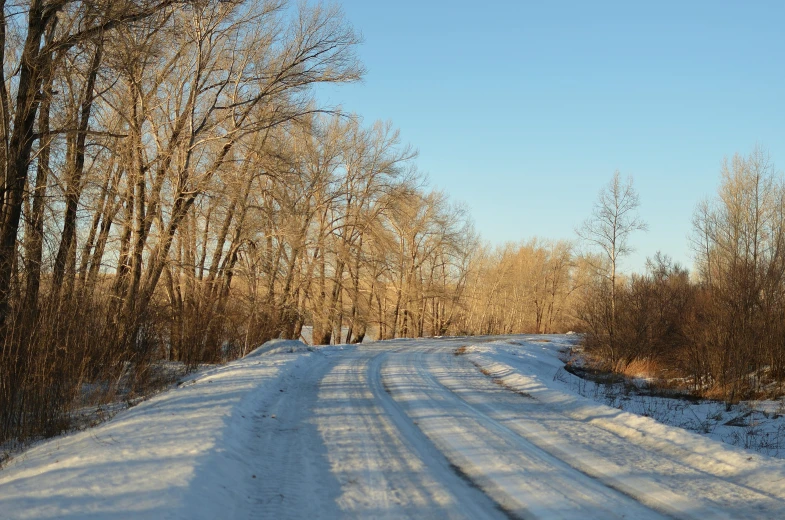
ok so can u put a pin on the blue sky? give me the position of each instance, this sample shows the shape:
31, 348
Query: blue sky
523, 110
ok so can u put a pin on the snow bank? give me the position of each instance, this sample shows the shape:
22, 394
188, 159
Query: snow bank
530, 367
178, 455
280, 346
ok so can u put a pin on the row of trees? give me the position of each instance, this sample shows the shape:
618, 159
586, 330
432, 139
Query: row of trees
525, 287
171, 189
144, 143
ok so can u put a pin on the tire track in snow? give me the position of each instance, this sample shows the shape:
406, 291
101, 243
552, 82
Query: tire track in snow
288, 456
648, 475
407, 430
629, 438
338, 450
381, 474
523, 479
470, 497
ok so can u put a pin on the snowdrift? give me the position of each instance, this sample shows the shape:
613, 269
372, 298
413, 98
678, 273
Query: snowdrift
281, 346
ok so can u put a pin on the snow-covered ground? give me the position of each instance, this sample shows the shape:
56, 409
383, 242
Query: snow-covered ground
180, 454
394, 429
646, 459
754, 425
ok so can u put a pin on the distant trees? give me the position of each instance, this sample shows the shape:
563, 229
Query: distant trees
525, 287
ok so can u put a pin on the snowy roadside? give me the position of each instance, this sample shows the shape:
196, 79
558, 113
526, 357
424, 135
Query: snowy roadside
533, 367
175, 455
99, 402
754, 425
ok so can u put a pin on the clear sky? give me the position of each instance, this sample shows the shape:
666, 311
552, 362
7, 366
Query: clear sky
524, 109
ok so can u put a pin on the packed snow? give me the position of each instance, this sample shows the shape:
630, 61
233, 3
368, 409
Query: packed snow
429, 428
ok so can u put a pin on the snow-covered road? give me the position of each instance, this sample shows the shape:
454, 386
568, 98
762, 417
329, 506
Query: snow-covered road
398, 429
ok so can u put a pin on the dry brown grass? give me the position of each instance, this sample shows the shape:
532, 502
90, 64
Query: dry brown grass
639, 367
65, 356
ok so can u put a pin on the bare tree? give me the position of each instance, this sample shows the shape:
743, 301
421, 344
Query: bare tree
614, 218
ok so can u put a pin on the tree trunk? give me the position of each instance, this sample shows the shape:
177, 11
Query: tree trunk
34, 235
20, 145
76, 169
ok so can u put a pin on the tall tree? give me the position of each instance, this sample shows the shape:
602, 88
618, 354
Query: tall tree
613, 220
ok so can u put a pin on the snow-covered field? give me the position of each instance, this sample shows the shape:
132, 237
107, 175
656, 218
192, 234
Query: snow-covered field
394, 429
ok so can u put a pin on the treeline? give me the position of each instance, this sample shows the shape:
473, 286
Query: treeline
171, 189
527, 287
723, 326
